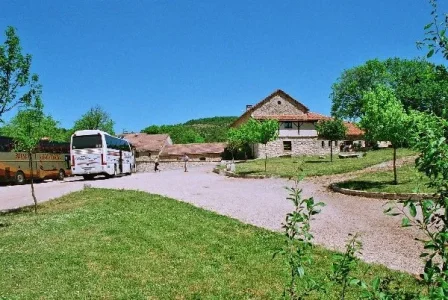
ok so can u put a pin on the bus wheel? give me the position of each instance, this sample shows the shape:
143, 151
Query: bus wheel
20, 177
61, 175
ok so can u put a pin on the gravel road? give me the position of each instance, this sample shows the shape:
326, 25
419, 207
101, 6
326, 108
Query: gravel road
261, 203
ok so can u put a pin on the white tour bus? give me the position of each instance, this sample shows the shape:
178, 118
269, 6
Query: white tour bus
95, 152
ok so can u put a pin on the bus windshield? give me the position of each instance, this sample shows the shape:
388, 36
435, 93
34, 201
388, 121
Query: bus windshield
87, 141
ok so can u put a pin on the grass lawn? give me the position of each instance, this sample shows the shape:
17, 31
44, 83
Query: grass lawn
314, 166
115, 244
408, 180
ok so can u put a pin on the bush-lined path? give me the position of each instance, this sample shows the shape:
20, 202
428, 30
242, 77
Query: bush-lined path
261, 203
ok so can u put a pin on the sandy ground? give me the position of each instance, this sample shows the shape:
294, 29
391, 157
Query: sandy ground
262, 203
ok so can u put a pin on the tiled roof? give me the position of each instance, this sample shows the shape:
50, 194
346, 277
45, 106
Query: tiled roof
353, 130
194, 149
147, 142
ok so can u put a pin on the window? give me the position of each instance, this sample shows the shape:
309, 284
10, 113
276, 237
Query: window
287, 125
329, 143
323, 144
202, 158
279, 102
87, 141
287, 146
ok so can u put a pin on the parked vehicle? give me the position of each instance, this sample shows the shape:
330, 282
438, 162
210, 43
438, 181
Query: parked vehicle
94, 152
51, 160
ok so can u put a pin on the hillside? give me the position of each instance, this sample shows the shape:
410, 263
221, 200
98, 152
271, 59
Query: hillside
204, 130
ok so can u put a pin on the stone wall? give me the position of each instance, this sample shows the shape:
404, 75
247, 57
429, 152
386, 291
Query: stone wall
277, 106
171, 165
299, 146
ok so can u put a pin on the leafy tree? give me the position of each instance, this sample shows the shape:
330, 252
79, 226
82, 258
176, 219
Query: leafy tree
215, 121
235, 140
27, 128
417, 84
384, 119
333, 130
436, 39
95, 118
264, 132
17, 85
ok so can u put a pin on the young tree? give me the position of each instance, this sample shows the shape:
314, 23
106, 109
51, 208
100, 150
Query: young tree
384, 119
95, 118
264, 132
17, 85
333, 130
27, 128
235, 141
436, 39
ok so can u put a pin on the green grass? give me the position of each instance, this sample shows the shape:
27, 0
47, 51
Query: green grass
314, 166
408, 180
115, 244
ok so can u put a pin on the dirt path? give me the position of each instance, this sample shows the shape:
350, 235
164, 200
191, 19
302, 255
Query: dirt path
262, 203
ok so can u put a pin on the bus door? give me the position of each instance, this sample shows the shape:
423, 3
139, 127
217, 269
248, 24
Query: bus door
120, 162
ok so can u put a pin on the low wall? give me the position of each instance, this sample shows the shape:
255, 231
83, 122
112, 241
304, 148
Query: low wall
145, 166
382, 195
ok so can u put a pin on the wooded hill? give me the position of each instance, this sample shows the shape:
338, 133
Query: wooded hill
204, 130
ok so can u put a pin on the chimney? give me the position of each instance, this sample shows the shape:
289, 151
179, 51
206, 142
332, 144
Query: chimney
248, 106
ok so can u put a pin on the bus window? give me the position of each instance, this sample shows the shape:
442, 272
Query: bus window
87, 141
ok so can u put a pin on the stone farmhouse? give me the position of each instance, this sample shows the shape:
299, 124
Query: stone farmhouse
297, 130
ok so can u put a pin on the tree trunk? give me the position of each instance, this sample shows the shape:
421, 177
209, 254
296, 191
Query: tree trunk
395, 165
265, 158
331, 151
30, 155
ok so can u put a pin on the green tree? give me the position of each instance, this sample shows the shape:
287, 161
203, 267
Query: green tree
235, 141
27, 129
333, 130
254, 131
17, 85
436, 39
179, 134
417, 84
95, 118
384, 119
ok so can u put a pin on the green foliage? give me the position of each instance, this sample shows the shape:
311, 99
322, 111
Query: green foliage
436, 38
215, 121
344, 264
384, 119
333, 130
417, 84
206, 130
430, 216
235, 140
179, 134
95, 118
297, 249
17, 85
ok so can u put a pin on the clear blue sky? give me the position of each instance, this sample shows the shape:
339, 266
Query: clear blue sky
165, 62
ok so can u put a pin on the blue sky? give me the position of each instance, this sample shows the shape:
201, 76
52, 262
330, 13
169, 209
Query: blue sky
165, 62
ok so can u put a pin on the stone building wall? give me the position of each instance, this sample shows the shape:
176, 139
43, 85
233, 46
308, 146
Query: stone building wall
277, 106
299, 146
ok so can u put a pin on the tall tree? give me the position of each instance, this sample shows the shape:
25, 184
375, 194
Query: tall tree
27, 128
17, 85
95, 118
417, 84
333, 130
384, 119
436, 38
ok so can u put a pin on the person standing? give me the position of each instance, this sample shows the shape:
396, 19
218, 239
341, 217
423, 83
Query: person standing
156, 165
185, 158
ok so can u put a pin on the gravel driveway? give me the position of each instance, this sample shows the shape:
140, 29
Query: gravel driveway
261, 203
